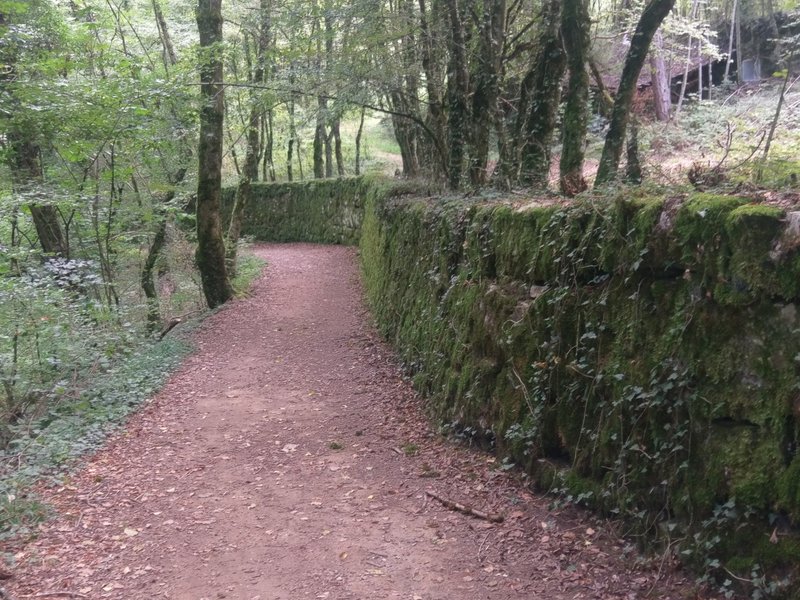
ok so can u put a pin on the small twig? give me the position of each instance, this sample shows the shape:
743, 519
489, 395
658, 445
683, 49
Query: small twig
736, 577
424, 504
468, 510
56, 594
483, 543
170, 326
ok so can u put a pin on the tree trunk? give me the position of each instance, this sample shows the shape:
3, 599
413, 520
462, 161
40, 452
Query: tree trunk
250, 170
329, 154
331, 122
319, 141
269, 147
459, 116
405, 132
700, 69
660, 80
292, 137
605, 100
654, 13
337, 146
575, 31
682, 95
147, 280
27, 174
542, 90
729, 59
487, 87
436, 118
299, 160
633, 167
210, 254
776, 117
168, 54
358, 141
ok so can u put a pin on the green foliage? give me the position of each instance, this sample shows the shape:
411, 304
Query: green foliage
248, 268
733, 127
65, 427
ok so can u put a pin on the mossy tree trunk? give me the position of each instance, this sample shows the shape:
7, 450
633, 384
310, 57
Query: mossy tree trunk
210, 254
434, 84
541, 92
402, 96
26, 173
358, 141
633, 166
487, 89
292, 138
161, 201
320, 139
336, 133
459, 116
147, 281
655, 11
575, 31
254, 128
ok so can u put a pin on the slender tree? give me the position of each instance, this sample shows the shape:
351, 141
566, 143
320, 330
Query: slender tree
210, 246
655, 11
254, 128
459, 116
575, 32
660, 79
486, 86
539, 97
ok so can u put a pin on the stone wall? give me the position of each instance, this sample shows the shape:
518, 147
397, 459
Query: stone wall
639, 355
324, 211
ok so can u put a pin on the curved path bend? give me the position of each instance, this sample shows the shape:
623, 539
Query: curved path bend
288, 459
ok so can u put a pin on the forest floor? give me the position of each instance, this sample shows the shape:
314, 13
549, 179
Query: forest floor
289, 459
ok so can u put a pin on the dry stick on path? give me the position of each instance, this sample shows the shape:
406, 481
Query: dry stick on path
467, 510
56, 595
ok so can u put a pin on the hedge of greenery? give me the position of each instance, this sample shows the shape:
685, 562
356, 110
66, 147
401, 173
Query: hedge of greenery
640, 355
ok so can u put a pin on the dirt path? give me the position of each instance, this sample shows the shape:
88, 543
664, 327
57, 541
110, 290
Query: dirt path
287, 459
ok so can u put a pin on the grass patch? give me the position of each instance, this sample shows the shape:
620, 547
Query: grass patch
410, 449
248, 268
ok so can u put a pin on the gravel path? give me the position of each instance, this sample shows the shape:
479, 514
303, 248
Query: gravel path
288, 459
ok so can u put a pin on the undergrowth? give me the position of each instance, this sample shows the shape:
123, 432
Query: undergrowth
45, 445
730, 129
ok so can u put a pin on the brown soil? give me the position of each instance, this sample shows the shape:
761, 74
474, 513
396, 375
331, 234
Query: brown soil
289, 459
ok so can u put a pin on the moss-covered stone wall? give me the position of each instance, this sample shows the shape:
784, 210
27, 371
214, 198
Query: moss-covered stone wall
640, 355
324, 211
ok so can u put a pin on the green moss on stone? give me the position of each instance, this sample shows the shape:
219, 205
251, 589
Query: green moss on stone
637, 353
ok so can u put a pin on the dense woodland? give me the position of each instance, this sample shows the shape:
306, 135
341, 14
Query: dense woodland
121, 119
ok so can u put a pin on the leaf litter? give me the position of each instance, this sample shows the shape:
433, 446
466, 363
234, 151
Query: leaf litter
226, 484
